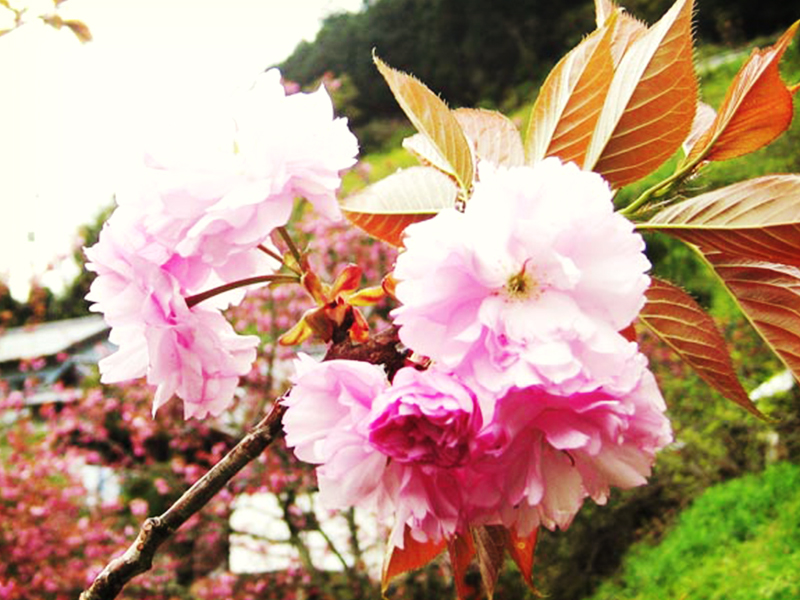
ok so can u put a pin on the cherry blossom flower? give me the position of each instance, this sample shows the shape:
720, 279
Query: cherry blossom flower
549, 452
216, 200
530, 285
324, 423
425, 418
402, 451
419, 451
533, 400
198, 218
193, 353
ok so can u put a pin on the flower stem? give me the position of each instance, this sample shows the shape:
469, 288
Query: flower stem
684, 170
279, 258
270, 253
198, 298
298, 257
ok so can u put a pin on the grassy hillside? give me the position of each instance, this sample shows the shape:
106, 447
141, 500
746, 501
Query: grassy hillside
739, 541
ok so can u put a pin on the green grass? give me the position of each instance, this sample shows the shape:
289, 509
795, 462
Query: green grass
739, 541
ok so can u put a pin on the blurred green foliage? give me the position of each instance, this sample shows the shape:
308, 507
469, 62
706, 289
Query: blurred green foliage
480, 53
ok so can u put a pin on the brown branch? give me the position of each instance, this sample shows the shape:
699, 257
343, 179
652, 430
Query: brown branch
138, 558
383, 348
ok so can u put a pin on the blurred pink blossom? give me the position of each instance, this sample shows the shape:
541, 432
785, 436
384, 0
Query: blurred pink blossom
139, 507
217, 198
194, 220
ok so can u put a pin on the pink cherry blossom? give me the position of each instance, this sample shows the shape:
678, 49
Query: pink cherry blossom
194, 220
425, 418
529, 286
324, 423
214, 201
193, 353
216, 195
549, 452
344, 416
420, 451
427, 423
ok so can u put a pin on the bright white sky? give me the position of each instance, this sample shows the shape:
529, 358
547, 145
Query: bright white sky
73, 117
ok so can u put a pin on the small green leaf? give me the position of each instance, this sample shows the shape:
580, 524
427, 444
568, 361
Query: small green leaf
691, 333
387, 207
430, 115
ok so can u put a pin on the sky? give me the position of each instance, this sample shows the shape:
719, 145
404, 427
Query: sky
74, 117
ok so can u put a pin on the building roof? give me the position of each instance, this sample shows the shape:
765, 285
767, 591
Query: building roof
48, 339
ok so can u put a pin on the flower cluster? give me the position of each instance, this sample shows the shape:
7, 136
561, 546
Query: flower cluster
532, 399
189, 225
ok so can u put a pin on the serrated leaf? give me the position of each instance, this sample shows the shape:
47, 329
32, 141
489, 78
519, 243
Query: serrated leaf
430, 115
769, 295
461, 550
426, 153
571, 99
675, 317
758, 219
704, 118
493, 136
385, 208
627, 31
413, 555
757, 107
522, 550
603, 9
491, 542
650, 104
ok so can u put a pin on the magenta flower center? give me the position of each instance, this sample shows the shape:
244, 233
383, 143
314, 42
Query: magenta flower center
410, 433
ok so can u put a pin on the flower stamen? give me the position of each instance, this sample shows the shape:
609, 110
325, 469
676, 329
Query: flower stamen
522, 286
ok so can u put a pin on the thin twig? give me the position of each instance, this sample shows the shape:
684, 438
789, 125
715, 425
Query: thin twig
198, 298
138, 558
